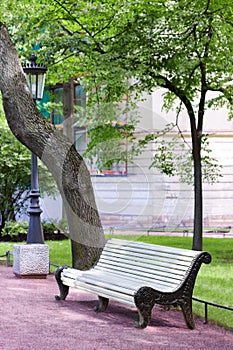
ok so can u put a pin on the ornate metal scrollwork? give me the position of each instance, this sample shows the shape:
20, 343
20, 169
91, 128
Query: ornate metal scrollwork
146, 297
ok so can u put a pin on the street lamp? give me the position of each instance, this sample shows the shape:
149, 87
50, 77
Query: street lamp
35, 75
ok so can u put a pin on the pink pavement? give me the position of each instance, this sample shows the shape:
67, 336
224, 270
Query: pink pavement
31, 319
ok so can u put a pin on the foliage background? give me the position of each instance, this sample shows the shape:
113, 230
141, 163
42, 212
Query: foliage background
15, 176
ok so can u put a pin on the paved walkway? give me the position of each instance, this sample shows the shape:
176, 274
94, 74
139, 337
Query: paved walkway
31, 319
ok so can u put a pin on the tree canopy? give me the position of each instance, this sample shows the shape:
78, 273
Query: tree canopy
183, 46
156, 43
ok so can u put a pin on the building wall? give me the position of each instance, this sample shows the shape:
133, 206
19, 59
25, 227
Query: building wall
146, 198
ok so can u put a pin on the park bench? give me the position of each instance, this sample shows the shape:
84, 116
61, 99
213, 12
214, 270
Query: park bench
138, 274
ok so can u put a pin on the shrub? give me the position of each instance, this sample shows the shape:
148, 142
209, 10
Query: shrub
54, 230
15, 231
48, 227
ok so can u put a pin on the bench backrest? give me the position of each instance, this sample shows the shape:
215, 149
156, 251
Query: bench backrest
151, 263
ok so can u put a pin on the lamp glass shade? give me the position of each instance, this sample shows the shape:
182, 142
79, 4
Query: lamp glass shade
36, 82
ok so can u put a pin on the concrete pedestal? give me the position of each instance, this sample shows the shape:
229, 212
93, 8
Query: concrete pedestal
31, 260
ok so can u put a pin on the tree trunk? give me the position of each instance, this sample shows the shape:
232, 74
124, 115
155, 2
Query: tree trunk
198, 206
196, 149
2, 222
56, 151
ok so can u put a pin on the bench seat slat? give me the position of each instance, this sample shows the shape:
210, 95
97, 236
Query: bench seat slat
99, 288
149, 247
109, 275
150, 251
93, 282
123, 298
153, 267
143, 272
107, 293
170, 275
143, 255
122, 280
159, 256
145, 281
148, 254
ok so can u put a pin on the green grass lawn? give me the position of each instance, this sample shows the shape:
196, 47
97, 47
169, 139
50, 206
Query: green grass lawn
214, 281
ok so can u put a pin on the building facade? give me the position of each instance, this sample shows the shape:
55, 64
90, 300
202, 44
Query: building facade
135, 196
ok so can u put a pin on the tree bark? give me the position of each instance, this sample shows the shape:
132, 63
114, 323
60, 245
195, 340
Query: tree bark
56, 151
198, 200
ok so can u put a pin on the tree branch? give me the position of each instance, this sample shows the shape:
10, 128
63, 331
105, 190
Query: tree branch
201, 107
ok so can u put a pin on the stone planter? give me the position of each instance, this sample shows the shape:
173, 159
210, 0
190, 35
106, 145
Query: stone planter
31, 260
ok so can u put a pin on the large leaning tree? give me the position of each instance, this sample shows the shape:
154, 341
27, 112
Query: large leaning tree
57, 153
182, 46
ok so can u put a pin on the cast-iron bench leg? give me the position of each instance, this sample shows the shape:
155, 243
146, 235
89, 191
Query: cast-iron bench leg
186, 307
103, 304
64, 290
144, 300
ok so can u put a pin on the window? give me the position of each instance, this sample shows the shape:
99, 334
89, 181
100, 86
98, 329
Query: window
80, 133
80, 139
57, 98
79, 95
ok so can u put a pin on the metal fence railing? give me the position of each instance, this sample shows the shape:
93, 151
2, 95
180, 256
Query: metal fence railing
209, 303
7, 255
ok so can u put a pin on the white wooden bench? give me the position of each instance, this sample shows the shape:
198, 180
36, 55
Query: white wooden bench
138, 274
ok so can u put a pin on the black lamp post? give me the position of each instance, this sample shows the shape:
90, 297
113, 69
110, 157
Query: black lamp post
35, 75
